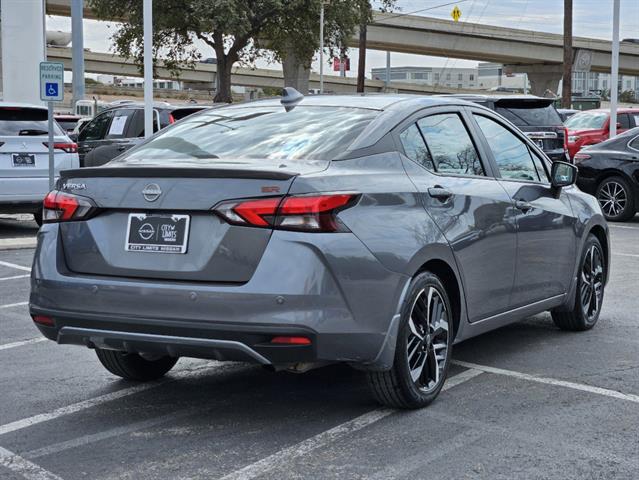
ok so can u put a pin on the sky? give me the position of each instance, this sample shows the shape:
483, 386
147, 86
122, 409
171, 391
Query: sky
591, 18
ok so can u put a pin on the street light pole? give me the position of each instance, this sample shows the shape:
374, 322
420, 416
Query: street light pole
322, 47
77, 44
614, 74
147, 12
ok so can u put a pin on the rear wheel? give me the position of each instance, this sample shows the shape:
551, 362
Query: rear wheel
424, 346
132, 366
616, 198
590, 290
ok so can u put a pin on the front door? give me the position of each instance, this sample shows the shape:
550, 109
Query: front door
545, 223
468, 205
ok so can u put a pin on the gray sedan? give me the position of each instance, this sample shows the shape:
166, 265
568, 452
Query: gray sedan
372, 230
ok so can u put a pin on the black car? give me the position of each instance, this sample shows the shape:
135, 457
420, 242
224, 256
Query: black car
118, 129
610, 171
535, 116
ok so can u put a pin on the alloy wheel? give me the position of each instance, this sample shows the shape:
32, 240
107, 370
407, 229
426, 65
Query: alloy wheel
591, 289
613, 198
427, 343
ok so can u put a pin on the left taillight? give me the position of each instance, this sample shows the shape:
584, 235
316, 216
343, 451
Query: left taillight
307, 213
63, 207
68, 147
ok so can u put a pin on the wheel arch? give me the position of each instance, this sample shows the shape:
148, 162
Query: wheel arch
600, 233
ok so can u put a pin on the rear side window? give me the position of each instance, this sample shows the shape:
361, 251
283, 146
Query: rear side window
450, 145
137, 124
511, 153
624, 120
97, 128
529, 114
258, 132
18, 122
635, 143
120, 123
415, 148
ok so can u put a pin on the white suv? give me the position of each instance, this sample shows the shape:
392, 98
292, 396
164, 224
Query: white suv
24, 159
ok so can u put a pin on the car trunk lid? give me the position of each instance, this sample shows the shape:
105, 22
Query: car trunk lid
135, 202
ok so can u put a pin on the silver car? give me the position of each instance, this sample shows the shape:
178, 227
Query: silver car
24, 157
372, 230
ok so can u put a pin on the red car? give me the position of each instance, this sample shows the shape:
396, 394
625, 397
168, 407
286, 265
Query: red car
593, 126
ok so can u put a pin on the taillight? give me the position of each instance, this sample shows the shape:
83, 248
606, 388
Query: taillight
62, 207
291, 340
580, 157
308, 213
171, 118
43, 320
68, 147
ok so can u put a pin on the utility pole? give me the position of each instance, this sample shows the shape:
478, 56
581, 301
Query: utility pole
614, 74
147, 12
361, 62
566, 84
321, 39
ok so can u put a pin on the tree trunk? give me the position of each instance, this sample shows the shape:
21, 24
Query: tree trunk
361, 64
296, 70
566, 89
223, 94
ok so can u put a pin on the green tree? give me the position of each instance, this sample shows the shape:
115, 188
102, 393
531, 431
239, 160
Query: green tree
228, 26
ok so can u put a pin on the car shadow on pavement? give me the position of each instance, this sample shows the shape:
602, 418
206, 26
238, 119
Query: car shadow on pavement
22, 225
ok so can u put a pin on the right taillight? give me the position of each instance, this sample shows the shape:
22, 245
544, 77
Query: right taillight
63, 207
307, 213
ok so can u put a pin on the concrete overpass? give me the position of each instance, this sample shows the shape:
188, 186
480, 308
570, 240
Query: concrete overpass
106, 63
536, 53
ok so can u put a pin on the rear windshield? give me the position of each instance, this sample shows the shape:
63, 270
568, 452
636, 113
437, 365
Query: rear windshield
587, 120
20, 121
313, 133
533, 115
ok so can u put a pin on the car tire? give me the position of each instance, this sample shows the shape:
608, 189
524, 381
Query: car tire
590, 290
132, 366
420, 341
616, 198
37, 216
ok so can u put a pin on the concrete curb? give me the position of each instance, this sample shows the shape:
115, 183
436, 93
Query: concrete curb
17, 243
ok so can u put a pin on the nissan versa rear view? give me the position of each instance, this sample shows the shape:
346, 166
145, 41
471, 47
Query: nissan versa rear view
377, 231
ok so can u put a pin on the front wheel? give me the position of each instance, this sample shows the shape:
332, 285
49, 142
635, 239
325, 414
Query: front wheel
132, 366
423, 351
590, 290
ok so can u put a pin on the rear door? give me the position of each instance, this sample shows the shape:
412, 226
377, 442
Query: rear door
546, 242
468, 205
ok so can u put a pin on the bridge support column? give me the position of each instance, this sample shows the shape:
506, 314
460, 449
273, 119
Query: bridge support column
22, 50
544, 79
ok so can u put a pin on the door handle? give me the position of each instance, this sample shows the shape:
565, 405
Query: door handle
523, 206
439, 193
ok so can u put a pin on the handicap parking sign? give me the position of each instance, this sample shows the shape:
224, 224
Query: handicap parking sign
51, 81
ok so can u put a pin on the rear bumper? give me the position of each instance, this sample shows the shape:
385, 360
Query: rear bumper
326, 287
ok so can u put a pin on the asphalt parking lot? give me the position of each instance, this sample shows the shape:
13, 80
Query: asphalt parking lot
526, 401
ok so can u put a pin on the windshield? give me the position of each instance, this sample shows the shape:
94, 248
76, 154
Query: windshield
587, 120
268, 132
532, 115
18, 121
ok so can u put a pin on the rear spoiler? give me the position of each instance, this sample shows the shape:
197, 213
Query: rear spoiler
538, 102
174, 172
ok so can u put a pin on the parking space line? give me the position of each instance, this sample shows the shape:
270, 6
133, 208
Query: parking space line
15, 265
18, 243
14, 277
627, 227
7, 346
23, 467
9, 305
93, 402
626, 254
551, 381
287, 454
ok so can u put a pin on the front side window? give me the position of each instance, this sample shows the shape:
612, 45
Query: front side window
450, 145
120, 123
511, 153
415, 148
97, 128
257, 132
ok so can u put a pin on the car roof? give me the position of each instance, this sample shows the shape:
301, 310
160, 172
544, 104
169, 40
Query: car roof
477, 97
157, 105
607, 110
369, 101
22, 105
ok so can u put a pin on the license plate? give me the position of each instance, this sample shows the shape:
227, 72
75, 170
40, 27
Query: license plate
157, 233
23, 160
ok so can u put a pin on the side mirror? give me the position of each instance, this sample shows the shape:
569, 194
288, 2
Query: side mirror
563, 174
